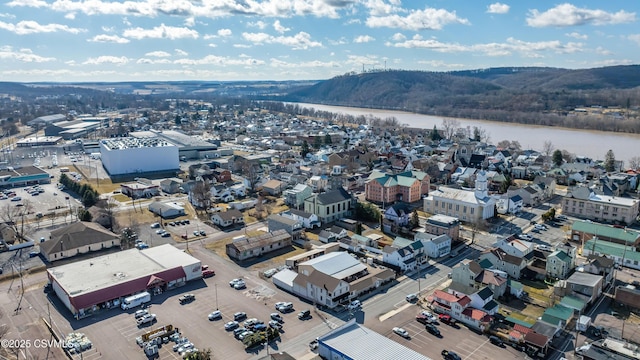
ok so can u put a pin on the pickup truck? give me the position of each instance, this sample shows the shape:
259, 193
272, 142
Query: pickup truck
186, 298
146, 319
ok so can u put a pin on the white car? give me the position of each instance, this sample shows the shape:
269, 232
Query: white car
540, 227
525, 237
429, 315
233, 282
231, 325
279, 304
400, 331
215, 315
355, 304
239, 285
411, 298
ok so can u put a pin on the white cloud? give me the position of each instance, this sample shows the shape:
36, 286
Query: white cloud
498, 8
104, 38
512, 45
180, 52
570, 15
427, 19
300, 41
106, 59
224, 32
381, 8
241, 46
70, 16
441, 64
359, 60
212, 45
613, 62
577, 35
258, 24
153, 61
363, 39
32, 27
341, 41
602, 51
23, 55
7, 16
161, 32
398, 37
190, 21
279, 28
28, 3
220, 60
160, 54
635, 38
304, 64
353, 21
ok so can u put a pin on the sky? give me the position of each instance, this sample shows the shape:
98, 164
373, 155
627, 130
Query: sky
220, 40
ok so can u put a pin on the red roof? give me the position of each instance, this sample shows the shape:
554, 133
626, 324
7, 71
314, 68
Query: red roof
515, 334
464, 301
521, 329
440, 295
88, 299
536, 339
476, 314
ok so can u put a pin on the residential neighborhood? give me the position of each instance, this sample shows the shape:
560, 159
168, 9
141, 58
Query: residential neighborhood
356, 227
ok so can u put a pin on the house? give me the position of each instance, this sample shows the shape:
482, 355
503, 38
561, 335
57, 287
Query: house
515, 288
587, 286
399, 214
225, 219
221, 175
318, 183
515, 247
435, 246
293, 227
575, 303
243, 247
295, 197
629, 296
330, 206
272, 187
166, 210
559, 264
443, 224
496, 281
403, 258
584, 203
512, 265
471, 274
444, 303
309, 221
332, 234
332, 279
557, 316
140, 189
408, 186
483, 299
171, 186
77, 238
600, 265
470, 206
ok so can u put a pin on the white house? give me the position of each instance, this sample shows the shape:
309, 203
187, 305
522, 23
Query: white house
309, 220
404, 258
516, 247
435, 246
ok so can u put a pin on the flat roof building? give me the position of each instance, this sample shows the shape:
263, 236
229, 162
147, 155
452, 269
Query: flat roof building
86, 286
123, 156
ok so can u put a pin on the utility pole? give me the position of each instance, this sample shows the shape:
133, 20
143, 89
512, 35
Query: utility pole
216, 285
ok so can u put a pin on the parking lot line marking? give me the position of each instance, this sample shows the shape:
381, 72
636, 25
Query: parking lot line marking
478, 348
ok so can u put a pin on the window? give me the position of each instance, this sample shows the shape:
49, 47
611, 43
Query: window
457, 207
472, 211
464, 209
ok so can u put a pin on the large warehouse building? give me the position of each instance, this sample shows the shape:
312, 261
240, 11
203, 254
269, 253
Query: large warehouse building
86, 286
122, 156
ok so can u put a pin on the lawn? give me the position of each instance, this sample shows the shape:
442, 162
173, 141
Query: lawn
539, 291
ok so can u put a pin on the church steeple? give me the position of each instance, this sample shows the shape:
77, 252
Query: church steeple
481, 190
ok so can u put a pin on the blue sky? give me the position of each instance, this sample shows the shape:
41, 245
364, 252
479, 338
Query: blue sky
127, 40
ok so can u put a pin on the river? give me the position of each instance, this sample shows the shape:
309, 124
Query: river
593, 144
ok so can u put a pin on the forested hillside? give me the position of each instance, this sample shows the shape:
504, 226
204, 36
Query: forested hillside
544, 96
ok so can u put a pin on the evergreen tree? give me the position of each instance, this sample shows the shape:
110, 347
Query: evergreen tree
557, 157
327, 139
435, 136
610, 161
415, 219
305, 149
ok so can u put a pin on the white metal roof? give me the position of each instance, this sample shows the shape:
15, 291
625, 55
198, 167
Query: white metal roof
336, 264
358, 342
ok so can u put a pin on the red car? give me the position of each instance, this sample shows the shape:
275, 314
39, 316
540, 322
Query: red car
208, 273
446, 319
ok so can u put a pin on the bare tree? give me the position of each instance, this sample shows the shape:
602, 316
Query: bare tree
634, 163
52, 216
14, 216
548, 148
252, 174
201, 194
449, 127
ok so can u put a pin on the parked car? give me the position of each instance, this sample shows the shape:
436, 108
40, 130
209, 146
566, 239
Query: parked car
269, 273
304, 314
402, 332
240, 285
208, 273
450, 355
525, 237
239, 330
447, 319
215, 315
425, 317
432, 329
140, 313
146, 319
276, 317
275, 324
496, 341
186, 298
354, 305
245, 334
231, 325
286, 307
239, 315
155, 225
411, 298
234, 281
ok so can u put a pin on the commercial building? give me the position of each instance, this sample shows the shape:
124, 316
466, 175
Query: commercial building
123, 156
330, 206
408, 187
352, 341
77, 128
582, 202
77, 238
189, 147
243, 247
85, 287
28, 175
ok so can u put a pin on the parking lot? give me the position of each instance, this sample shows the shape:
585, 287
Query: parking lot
466, 343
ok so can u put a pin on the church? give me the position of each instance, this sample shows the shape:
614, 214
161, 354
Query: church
471, 206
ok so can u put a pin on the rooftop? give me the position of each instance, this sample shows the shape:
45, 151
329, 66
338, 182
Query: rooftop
117, 268
337, 264
133, 143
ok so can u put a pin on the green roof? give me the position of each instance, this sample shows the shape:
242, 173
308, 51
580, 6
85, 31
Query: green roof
628, 236
485, 264
400, 242
573, 302
562, 256
611, 249
519, 322
559, 311
515, 284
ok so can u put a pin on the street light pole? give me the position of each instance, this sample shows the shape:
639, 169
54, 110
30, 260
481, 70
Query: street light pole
216, 285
